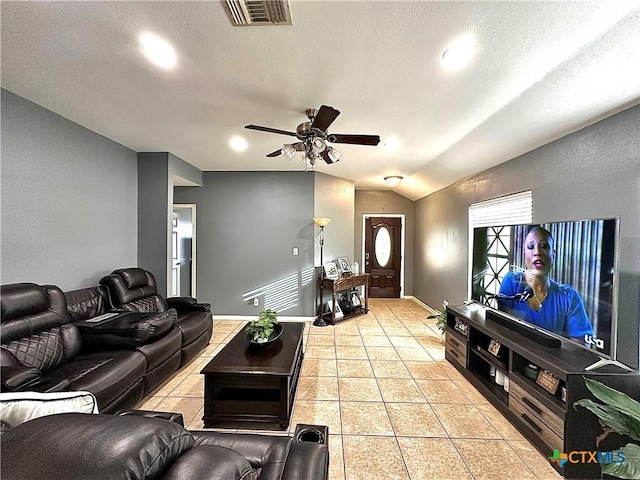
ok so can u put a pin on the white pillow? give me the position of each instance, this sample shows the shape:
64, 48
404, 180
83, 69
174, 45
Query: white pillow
20, 407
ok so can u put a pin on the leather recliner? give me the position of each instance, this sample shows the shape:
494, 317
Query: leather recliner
134, 289
80, 446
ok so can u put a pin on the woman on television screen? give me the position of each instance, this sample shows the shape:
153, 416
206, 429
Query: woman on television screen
551, 305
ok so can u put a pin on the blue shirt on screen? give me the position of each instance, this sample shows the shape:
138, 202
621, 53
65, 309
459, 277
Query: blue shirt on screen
562, 310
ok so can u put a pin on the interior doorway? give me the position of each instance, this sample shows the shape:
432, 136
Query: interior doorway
183, 251
383, 255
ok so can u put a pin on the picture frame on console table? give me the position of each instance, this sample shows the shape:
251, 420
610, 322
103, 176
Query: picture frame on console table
331, 270
338, 312
355, 298
345, 266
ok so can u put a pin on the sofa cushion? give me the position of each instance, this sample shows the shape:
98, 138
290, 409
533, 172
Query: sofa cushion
20, 407
265, 454
93, 447
86, 303
193, 324
211, 463
133, 289
134, 277
28, 309
20, 299
47, 349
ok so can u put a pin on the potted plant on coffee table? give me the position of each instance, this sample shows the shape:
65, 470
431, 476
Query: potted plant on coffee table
265, 330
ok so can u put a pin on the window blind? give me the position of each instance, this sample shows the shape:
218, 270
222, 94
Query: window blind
507, 210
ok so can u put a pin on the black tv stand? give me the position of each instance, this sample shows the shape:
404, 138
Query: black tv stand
525, 329
537, 385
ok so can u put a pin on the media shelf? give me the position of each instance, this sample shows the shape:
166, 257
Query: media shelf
533, 381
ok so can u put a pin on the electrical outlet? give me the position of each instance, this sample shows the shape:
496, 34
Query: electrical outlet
256, 302
295, 251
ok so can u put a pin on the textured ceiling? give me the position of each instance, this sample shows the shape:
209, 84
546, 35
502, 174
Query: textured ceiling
541, 70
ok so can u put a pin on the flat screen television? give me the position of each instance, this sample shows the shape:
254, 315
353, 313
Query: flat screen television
578, 262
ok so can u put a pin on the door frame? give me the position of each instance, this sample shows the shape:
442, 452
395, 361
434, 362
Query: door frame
192, 207
401, 216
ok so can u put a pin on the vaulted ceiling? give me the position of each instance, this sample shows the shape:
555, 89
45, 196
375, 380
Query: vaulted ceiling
540, 70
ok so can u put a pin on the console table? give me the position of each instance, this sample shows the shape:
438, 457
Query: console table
344, 284
496, 357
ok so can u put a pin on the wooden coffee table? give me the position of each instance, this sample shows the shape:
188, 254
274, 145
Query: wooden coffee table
255, 384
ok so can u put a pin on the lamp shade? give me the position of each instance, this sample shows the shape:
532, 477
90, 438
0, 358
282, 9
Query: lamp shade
334, 154
289, 151
318, 145
321, 221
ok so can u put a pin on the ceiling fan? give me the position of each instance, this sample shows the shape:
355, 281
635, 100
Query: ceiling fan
313, 137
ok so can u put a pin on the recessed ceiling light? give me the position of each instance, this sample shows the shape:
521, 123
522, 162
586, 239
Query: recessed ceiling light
239, 144
459, 53
157, 50
390, 145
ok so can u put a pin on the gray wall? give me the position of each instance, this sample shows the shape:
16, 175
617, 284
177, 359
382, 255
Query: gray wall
385, 202
593, 173
335, 198
157, 172
247, 225
153, 217
69, 199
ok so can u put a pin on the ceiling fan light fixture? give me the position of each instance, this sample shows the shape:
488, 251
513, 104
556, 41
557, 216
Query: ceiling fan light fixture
334, 154
289, 151
393, 180
318, 145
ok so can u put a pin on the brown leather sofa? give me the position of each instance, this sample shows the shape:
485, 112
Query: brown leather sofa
80, 446
48, 342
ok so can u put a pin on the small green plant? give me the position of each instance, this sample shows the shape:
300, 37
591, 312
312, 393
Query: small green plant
619, 414
264, 326
441, 316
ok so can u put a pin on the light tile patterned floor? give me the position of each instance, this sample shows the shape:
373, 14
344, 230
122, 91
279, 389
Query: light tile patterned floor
395, 408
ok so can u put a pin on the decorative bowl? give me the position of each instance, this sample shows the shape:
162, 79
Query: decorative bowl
277, 331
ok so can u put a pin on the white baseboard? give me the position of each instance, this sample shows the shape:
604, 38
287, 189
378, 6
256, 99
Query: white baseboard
422, 304
247, 318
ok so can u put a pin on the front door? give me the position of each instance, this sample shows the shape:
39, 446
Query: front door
382, 255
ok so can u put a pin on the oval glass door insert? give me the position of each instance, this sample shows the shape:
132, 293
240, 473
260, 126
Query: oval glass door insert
383, 246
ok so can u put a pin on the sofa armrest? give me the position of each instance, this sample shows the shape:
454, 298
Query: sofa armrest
306, 461
128, 330
13, 377
187, 304
168, 416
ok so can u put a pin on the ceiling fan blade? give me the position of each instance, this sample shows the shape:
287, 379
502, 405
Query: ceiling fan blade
354, 139
270, 130
275, 154
325, 117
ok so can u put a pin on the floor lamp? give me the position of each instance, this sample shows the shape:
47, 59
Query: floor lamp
321, 222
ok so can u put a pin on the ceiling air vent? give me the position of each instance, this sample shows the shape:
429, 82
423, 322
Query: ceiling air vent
258, 12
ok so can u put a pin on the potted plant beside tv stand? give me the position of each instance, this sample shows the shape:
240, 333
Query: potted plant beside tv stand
541, 409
